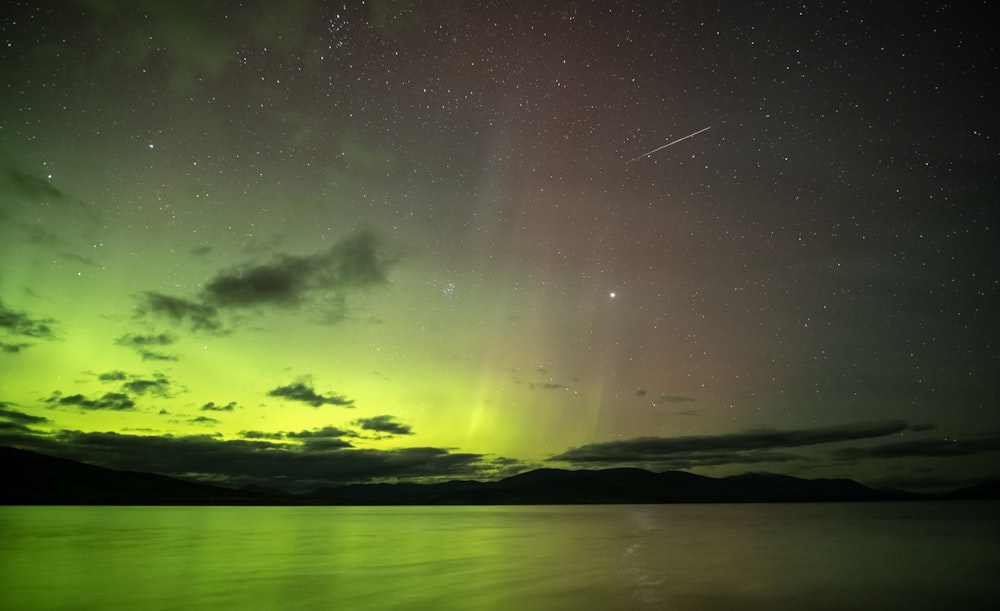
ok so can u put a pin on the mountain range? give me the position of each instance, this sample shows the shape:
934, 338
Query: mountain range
29, 478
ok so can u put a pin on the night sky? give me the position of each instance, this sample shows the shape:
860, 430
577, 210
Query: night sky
304, 243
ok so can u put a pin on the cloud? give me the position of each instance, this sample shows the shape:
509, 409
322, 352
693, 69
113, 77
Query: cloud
326, 438
112, 401
159, 385
354, 262
384, 424
113, 376
235, 462
751, 446
18, 324
321, 433
546, 386
673, 399
13, 348
318, 439
201, 317
212, 407
19, 418
205, 420
143, 344
19, 184
936, 447
300, 391
262, 435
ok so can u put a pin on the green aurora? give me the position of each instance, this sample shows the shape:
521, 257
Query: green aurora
318, 243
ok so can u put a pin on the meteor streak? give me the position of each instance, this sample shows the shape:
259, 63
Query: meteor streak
669, 144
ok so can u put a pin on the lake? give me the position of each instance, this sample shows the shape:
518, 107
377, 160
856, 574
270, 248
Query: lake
911, 556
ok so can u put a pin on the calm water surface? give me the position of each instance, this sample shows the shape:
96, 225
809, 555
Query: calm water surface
682, 557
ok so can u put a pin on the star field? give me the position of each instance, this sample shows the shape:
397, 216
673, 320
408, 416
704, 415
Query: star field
430, 240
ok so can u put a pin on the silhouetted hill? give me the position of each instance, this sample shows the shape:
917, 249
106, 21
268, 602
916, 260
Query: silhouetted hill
30, 478
27, 478
989, 490
555, 486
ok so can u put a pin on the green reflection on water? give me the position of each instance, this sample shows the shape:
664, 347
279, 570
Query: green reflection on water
818, 556
271, 558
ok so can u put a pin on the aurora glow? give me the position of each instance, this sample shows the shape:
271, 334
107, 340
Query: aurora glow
304, 243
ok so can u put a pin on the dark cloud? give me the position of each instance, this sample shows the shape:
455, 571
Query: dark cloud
546, 386
78, 258
13, 348
640, 392
17, 417
143, 345
354, 262
158, 385
204, 420
300, 391
201, 317
327, 432
212, 407
17, 184
262, 435
323, 439
384, 424
149, 355
936, 447
20, 186
113, 401
752, 446
673, 399
235, 462
18, 324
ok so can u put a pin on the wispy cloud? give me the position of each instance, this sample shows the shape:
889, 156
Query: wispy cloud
545, 386
19, 184
145, 345
662, 399
748, 447
936, 447
356, 262
18, 325
25, 189
18, 419
112, 401
199, 316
